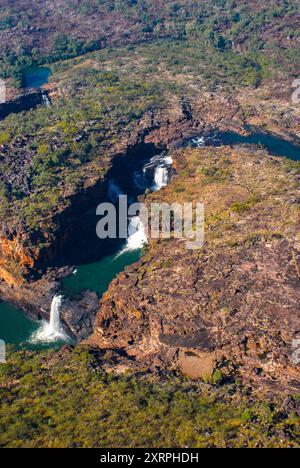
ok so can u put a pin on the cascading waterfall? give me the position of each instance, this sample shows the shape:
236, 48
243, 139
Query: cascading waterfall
161, 178
53, 330
137, 237
154, 174
161, 174
55, 325
46, 100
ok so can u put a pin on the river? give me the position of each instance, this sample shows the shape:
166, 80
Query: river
17, 329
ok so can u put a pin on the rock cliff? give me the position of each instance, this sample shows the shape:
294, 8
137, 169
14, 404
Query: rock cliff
231, 307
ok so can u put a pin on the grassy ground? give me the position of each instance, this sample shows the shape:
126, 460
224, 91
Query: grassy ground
63, 400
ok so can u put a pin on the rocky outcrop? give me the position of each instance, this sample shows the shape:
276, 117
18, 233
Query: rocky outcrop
24, 254
231, 307
77, 313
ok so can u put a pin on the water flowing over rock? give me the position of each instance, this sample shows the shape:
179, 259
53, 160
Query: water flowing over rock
161, 178
46, 99
52, 331
137, 237
154, 173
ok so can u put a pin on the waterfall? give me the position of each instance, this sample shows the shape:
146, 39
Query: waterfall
136, 235
161, 178
153, 174
46, 100
53, 330
161, 173
55, 325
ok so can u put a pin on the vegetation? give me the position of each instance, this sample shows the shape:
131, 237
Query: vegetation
64, 399
225, 25
167, 52
107, 92
66, 144
215, 45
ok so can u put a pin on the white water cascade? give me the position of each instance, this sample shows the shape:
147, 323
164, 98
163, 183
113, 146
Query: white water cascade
46, 100
156, 172
53, 330
161, 174
161, 178
137, 237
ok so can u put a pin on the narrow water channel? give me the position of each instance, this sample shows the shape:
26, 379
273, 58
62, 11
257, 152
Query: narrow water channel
16, 328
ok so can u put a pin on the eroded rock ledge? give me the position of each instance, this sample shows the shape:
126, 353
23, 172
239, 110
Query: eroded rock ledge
30, 261
22, 252
25, 256
232, 307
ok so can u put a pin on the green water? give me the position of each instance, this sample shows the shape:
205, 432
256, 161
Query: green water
36, 77
98, 276
15, 327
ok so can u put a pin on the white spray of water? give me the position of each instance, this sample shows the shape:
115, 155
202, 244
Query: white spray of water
137, 237
114, 191
161, 174
53, 330
161, 178
199, 141
46, 100
168, 160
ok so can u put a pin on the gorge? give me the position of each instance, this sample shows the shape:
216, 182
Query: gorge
135, 175
114, 256
133, 339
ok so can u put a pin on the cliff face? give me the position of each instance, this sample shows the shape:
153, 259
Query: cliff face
14, 260
23, 252
232, 306
22, 103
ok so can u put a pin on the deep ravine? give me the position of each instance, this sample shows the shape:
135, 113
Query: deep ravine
143, 172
